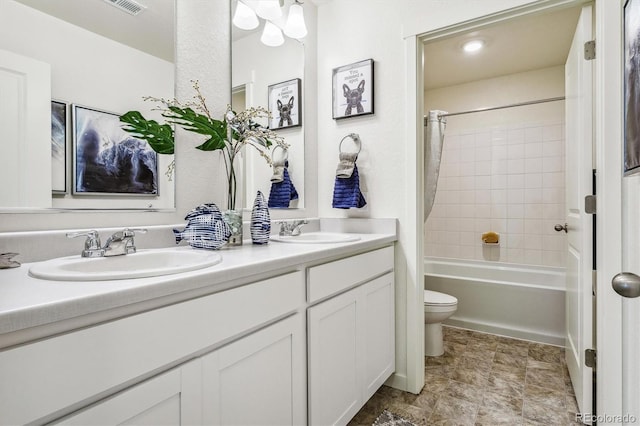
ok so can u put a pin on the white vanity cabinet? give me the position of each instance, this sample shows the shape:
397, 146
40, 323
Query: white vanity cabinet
48, 379
351, 334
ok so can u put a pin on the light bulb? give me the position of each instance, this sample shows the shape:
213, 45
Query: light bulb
473, 46
295, 26
269, 9
271, 35
245, 18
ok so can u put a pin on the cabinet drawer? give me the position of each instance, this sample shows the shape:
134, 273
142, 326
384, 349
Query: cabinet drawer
80, 365
334, 277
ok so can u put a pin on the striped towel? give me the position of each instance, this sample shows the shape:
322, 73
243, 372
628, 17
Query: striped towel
346, 192
282, 192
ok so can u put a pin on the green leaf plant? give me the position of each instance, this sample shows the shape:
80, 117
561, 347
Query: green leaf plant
229, 135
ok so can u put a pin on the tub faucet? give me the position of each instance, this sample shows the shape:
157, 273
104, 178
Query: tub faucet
293, 228
121, 242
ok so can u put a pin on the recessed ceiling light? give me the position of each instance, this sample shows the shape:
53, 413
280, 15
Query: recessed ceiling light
473, 46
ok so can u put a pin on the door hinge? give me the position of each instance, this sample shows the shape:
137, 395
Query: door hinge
590, 204
590, 50
590, 358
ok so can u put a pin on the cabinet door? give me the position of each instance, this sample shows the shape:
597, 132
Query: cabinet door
351, 350
258, 380
334, 370
378, 356
171, 398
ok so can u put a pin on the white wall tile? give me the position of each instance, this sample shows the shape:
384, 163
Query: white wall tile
533, 227
483, 196
515, 226
499, 152
515, 151
532, 257
483, 211
553, 180
515, 181
483, 168
515, 166
483, 154
533, 150
553, 164
515, 211
533, 180
553, 133
553, 149
515, 196
498, 211
533, 195
533, 134
533, 165
483, 182
532, 242
515, 136
498, 181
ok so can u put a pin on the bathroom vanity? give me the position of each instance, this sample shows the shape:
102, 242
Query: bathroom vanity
276, 334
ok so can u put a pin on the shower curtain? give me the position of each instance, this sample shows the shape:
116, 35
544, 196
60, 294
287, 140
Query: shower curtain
433, 138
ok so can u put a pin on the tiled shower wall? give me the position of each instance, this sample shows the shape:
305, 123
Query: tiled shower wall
509, 180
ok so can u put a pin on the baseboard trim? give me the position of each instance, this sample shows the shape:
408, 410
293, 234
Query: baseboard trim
516, 333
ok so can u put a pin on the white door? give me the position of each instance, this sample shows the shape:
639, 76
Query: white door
25, 131
579, 306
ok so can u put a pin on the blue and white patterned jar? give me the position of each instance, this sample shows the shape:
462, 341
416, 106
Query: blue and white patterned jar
260, 220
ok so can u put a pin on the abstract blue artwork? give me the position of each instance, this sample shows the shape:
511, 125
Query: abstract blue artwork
108, 160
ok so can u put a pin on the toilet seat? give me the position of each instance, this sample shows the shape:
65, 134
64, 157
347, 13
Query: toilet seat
434, 298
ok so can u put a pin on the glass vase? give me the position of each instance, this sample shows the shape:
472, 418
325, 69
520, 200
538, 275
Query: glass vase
233, 218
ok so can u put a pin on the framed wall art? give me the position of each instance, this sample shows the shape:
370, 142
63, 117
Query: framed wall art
58, 147
107, 160
353, 89
631, 87
285, 104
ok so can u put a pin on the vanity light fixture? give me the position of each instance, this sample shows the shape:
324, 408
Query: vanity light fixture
245, 18
272, 35
295, 26
247, 13
269, 9
473, 46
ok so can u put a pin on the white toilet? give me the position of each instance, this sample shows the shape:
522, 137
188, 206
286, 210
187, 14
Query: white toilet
437, 308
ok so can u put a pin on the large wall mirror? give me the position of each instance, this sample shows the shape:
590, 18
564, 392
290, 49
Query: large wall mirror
80, 64
272, 77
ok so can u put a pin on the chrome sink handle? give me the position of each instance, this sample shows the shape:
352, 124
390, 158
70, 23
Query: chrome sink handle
122, 242
296, 227
92, 246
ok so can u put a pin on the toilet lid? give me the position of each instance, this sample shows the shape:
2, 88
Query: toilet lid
436, 298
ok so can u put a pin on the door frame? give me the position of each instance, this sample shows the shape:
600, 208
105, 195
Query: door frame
414, 101
608, 123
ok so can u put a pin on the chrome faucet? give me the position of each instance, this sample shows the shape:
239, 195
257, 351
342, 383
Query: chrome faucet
91, 244
6, 260
293, 228
117, 244
121, 242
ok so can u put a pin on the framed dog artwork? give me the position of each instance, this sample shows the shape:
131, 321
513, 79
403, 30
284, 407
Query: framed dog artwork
285, 104
353, 89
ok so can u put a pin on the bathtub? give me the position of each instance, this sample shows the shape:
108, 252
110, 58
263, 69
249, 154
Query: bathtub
521, 301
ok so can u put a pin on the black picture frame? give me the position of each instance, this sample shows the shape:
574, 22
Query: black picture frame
631, 160
59, 150
353, 89
285, 104
107, 161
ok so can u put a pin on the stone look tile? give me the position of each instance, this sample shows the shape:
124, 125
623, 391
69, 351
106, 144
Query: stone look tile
490, 417
503, 403
464, 391
543, 414
549, 397
510, 359
451, 410
545, 378
483, 379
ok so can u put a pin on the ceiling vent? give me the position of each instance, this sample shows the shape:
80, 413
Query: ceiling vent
130, 6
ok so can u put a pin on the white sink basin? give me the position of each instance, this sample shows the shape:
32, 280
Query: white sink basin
144, 263
316, 238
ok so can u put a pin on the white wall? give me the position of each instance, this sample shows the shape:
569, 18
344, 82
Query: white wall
349, 31
501, 171
94, 71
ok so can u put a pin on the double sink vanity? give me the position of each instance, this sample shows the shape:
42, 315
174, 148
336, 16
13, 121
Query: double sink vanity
298, 331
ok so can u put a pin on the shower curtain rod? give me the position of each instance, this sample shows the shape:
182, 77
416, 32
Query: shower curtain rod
539, 101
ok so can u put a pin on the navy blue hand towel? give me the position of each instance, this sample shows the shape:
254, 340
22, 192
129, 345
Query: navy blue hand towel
282, 192
346, 192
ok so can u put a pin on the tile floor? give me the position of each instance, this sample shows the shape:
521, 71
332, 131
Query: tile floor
484, 379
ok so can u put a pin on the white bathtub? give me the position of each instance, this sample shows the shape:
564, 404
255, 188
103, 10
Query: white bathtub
522, 301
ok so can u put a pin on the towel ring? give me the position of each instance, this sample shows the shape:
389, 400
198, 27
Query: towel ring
285, 152
356, 139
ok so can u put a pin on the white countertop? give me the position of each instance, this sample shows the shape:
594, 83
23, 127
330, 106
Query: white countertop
28, 303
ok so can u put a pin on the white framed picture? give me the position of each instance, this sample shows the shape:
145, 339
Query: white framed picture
353, 89
285, 104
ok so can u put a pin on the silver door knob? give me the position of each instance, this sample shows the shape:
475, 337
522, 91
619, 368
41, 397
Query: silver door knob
626, 284
559, 228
